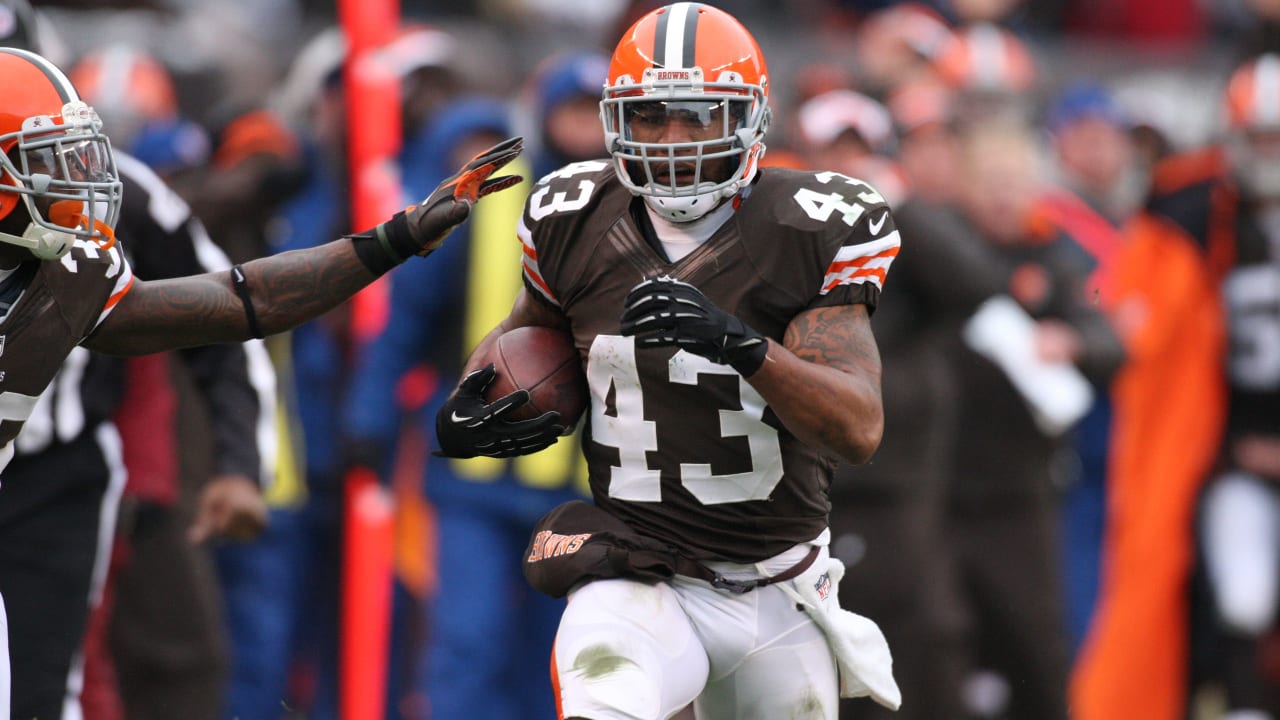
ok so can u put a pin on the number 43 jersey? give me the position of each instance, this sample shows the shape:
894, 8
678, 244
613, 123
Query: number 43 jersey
679, 447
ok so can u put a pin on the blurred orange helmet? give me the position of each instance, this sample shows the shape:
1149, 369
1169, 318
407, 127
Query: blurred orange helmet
696, 61
986, 57
913, 25
128, 87
54, 158
1253, 95
1253, 108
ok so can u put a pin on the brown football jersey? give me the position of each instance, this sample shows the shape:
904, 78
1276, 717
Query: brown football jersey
683, 449
63, 302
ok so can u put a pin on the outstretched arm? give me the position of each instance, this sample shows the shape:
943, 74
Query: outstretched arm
285, 290
280, 292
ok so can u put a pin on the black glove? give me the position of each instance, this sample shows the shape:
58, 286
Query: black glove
467, 426
422, 228
661, 312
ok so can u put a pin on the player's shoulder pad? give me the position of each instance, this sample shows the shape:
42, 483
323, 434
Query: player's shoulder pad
821, 204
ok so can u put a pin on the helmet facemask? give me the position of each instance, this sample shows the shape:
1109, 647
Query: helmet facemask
64, 172
682, 144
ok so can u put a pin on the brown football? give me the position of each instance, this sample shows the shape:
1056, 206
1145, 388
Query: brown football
545, 362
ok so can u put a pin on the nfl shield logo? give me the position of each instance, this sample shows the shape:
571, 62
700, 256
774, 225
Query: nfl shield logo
823, 586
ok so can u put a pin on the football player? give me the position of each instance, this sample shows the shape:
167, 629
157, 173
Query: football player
64, 281
722, 311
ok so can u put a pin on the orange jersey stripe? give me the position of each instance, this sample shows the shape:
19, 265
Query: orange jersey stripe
877, 273
115, 298
555, 684
840, 265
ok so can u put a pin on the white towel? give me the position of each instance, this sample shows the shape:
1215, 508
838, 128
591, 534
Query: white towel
866, 666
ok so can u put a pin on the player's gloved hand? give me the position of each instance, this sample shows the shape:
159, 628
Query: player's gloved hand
467, 425
422, 228
664, 312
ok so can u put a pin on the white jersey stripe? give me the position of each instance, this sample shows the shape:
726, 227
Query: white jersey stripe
674, 52
1267, 91
875, 247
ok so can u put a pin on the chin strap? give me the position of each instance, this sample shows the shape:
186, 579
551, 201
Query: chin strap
50, 244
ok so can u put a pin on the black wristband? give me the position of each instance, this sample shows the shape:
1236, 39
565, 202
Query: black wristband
386, 245
747, 360
242, 289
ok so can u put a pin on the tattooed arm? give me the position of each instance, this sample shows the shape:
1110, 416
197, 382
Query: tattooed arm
286, 290
823, 382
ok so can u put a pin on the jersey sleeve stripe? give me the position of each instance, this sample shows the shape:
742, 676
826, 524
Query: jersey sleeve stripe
122, 287
866, 262
874, 247
862, 261
531, 273
531, 270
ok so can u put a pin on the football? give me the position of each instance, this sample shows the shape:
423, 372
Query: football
545, 362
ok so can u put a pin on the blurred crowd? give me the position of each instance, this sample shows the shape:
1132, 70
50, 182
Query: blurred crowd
1075, 511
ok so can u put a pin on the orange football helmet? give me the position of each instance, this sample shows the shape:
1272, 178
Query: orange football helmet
986, 57
1252, 102
1253, 94
695, 68
54, 160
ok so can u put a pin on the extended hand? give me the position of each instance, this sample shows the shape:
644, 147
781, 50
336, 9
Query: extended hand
467, 426
663, 312
230, 506
422, 228
448, 206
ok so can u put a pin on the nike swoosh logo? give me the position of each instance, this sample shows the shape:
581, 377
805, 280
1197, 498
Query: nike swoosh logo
455, 417
876, 225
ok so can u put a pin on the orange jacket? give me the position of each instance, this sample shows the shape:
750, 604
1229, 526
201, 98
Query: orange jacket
1169, 405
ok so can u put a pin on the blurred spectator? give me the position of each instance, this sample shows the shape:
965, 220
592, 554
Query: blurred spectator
1102, 184
485, 508
1007, 461
1094, 153
850, 133
128, 87
896, 45
424, 58
1167, 407
255, 165
564, 96
1240, 510
924, 118
993, 72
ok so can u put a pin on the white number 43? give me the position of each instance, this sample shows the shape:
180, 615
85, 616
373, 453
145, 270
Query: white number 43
820, 206
612, 366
